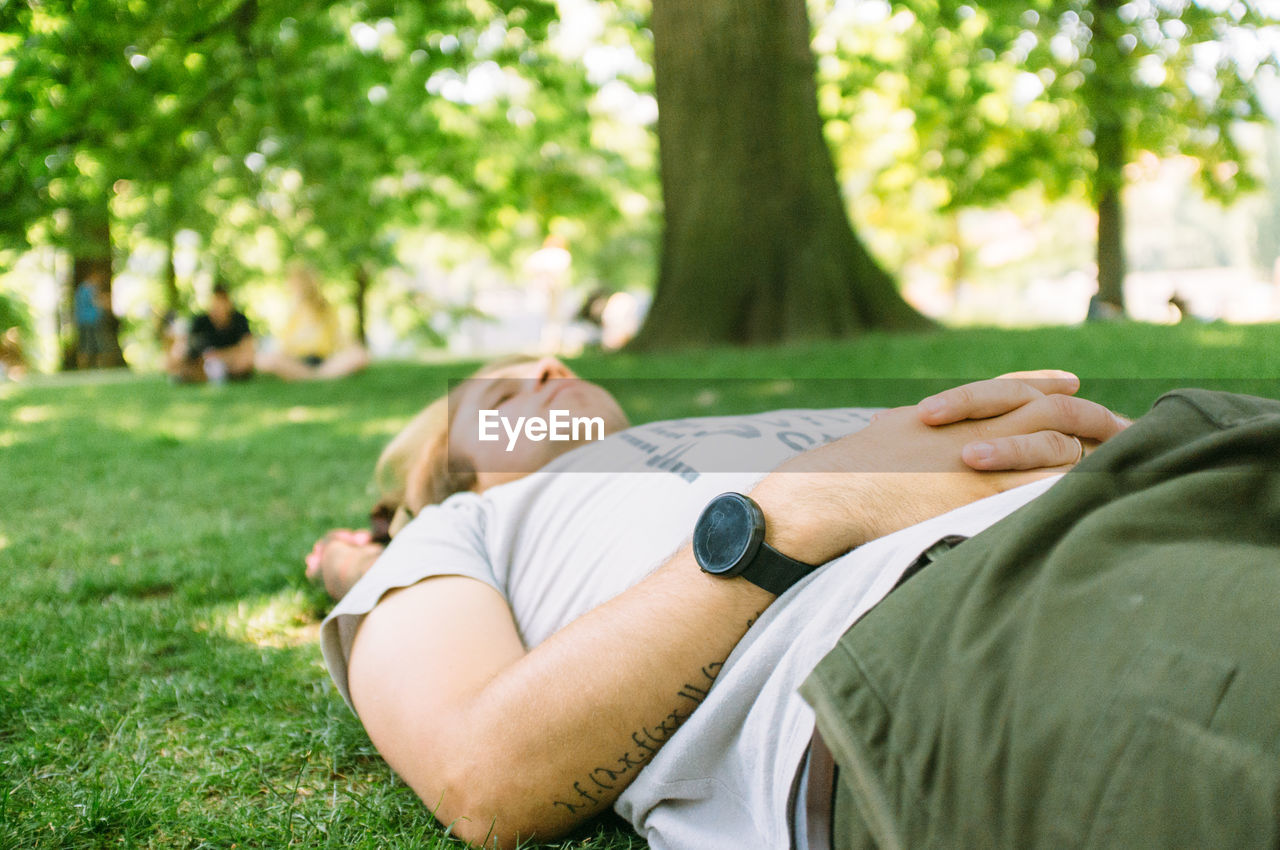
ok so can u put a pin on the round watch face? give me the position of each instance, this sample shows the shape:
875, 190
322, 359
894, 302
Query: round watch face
728, 534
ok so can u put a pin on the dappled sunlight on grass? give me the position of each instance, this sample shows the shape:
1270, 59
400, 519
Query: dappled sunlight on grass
299, 414
285, 619
206, 420
1220, 336
310, 414
244, 422
387, 427
34, 414
776, 388
251, 424
182, 422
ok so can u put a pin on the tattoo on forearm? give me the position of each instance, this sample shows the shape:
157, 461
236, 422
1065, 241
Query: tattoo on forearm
590, 792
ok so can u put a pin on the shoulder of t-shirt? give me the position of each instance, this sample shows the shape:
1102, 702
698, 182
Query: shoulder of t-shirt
459, 509
459, 525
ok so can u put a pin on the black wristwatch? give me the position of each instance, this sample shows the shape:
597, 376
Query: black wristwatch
728, 541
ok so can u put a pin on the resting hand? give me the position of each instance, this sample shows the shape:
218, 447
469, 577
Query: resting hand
340, 558
1080, 425
899, 471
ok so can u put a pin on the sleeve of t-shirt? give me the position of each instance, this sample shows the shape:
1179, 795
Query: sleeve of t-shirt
200, 335
445, 539
201, 325
240, 323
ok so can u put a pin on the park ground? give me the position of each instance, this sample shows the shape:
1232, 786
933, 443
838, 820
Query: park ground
162, 683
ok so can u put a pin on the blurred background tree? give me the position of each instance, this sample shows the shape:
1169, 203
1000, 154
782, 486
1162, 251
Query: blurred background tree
757, 246
995, 97
387, 145
315, 131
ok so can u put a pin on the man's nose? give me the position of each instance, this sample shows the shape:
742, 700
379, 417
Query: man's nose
549, 368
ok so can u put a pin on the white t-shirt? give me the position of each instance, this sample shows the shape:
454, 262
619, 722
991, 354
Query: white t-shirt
596, 521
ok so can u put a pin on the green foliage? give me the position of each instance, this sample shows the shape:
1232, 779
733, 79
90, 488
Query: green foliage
13, 314
946, 104
325, 130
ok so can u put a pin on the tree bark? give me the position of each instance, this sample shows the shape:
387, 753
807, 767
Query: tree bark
1109, 182
91, 252
1108, 92
757, 246
361, 298
171, 305
172, 299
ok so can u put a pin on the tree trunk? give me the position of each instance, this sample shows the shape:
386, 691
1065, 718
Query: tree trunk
1109, 95
757, 245
361, 298
91, 252
172, 300
171, 304
1109, 145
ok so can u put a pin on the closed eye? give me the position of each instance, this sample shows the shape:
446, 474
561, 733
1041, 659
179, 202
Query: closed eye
502, 391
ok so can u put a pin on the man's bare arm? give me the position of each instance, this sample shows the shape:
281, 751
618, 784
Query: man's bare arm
537, 742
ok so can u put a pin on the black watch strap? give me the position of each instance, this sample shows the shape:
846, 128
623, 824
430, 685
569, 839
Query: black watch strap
774, 571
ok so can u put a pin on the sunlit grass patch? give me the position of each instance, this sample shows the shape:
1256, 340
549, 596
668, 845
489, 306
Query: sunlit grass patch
288, 618
34, 414
1220, 335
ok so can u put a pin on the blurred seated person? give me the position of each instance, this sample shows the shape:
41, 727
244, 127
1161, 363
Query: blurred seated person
311, 345
609, 319
13, 359
218, 346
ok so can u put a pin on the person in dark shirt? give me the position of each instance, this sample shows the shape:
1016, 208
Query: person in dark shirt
219, 345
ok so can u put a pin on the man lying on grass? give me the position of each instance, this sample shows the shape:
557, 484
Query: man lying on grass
530, 650
523, 649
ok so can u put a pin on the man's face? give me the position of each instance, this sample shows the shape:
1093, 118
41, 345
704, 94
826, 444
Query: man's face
530, 390
220, 309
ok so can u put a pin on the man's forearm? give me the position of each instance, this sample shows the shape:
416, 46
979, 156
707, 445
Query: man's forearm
507, 745
600, 697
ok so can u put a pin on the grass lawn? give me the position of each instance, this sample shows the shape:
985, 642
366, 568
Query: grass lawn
162, 685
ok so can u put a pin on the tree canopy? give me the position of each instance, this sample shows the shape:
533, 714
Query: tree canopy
327, 130
987, 98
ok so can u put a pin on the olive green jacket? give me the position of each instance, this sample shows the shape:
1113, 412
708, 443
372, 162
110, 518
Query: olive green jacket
1099, 669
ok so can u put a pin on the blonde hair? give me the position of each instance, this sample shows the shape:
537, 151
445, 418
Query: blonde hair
308, 288
416, 468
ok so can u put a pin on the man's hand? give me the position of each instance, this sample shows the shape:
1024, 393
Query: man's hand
1083, 424
903, 468
340, 558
